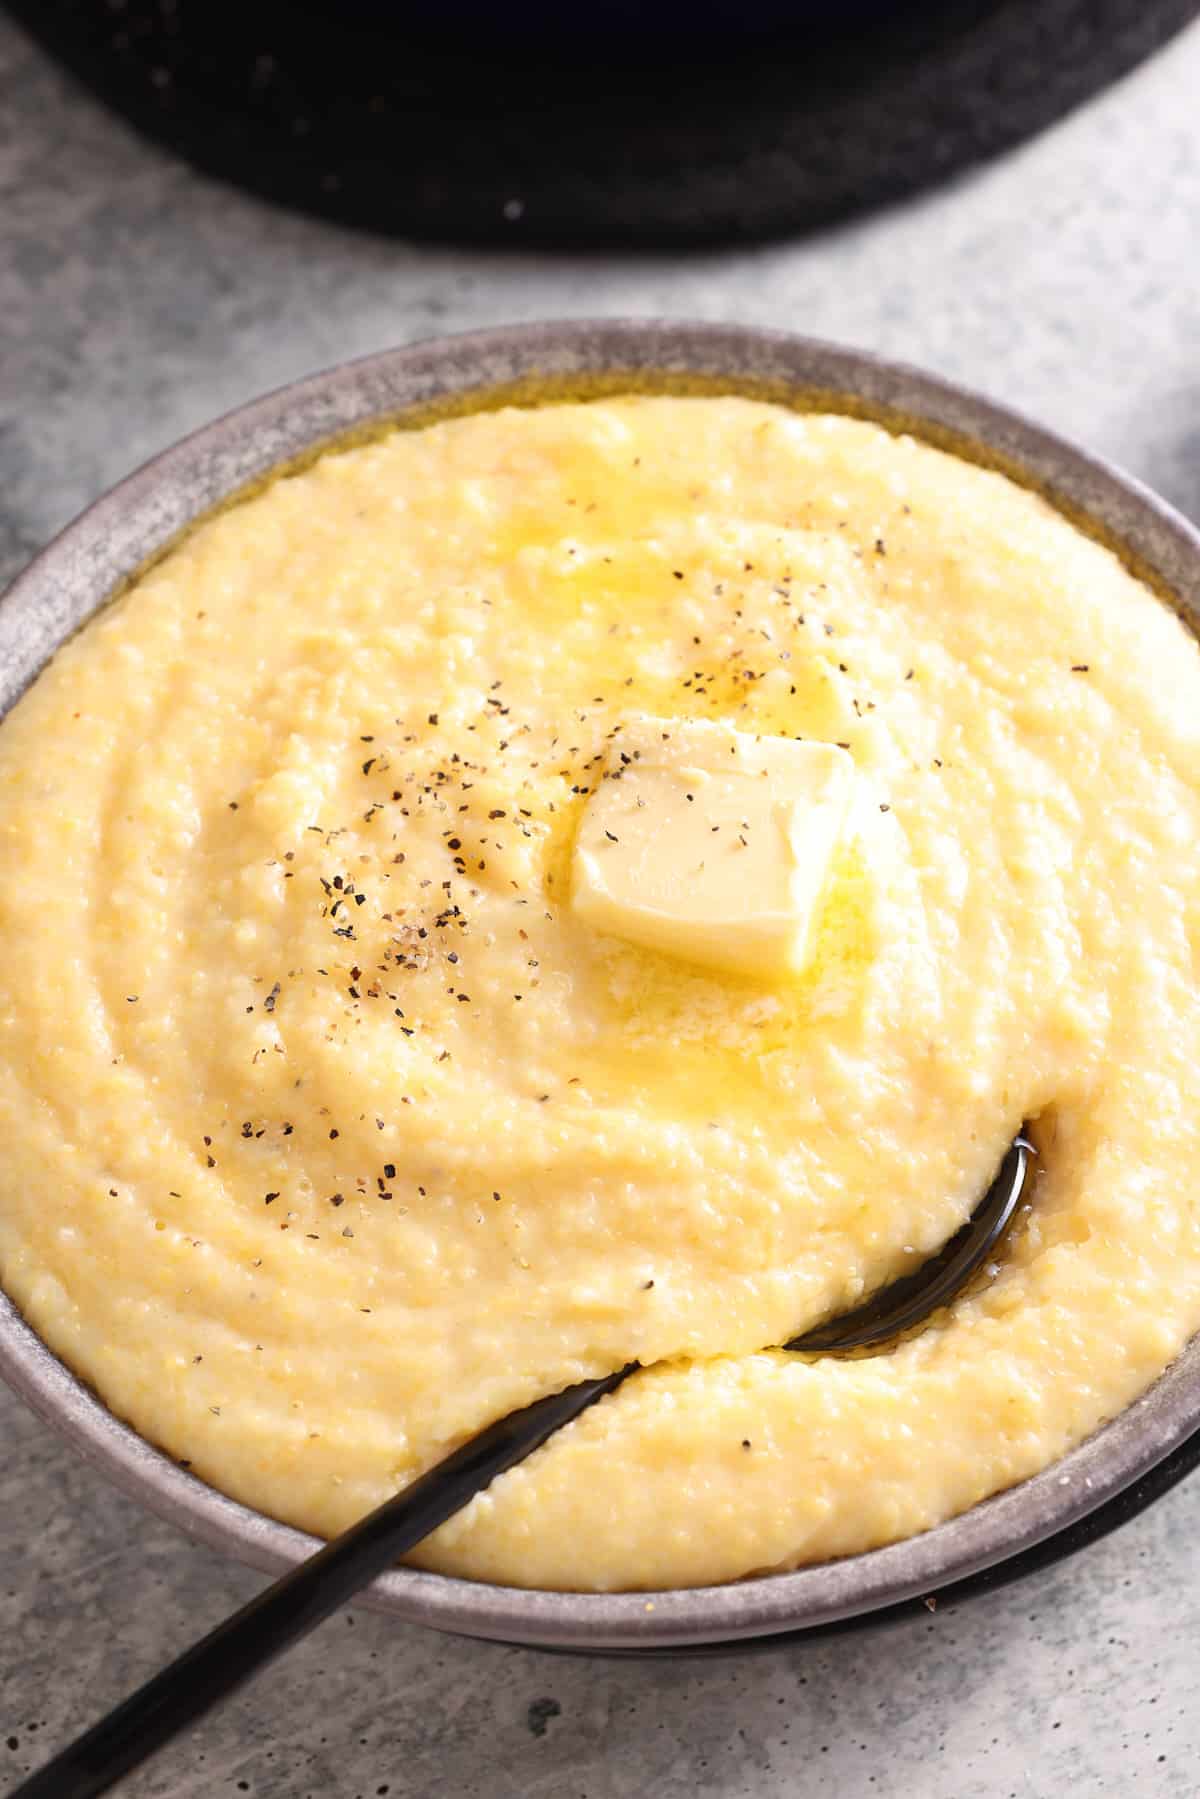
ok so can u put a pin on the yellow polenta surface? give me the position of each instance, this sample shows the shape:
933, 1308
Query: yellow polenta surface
328, 1133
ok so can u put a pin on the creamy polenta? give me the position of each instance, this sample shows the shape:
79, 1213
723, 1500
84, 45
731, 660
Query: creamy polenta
331, 1129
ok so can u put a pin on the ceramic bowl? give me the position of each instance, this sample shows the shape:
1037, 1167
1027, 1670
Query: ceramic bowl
146, 512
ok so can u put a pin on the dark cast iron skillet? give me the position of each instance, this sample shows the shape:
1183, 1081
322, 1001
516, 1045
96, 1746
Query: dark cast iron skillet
612, 123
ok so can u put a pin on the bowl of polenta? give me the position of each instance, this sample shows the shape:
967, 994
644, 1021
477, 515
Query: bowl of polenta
584, 844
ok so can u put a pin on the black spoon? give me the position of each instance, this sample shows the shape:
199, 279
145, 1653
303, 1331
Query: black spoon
219, 1663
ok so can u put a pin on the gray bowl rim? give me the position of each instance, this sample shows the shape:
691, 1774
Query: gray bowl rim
115, 536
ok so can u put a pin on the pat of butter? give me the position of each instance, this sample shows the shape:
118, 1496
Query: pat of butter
711, 845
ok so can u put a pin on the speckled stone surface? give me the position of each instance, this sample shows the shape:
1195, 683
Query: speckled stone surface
136, 301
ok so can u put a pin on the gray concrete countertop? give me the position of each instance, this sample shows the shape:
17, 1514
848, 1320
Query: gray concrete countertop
137, 301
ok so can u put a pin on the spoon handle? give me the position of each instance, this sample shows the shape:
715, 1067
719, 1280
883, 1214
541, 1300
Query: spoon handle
300, 1600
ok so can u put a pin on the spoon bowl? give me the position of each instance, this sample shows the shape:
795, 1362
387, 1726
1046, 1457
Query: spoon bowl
907, 1302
